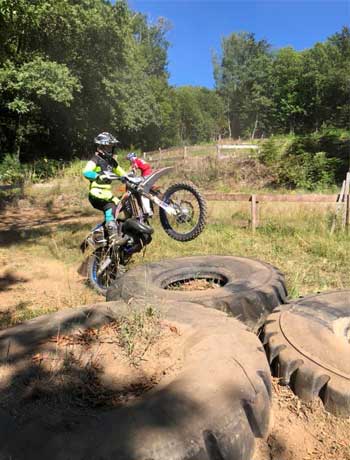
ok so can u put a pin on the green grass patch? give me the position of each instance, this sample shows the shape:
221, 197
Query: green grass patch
22, 312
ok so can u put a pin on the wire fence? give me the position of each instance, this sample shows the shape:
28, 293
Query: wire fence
219, 151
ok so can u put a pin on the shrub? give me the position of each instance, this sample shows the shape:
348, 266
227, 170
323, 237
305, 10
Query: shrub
308, 171
315, 161
43, 169
11, 170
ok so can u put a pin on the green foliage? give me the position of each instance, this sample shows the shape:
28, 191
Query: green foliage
299, 162
11, 170
200, 114
287, 96
310, 171
43, 169
285, 91
70, 69
241, 75
275, 148
35, 79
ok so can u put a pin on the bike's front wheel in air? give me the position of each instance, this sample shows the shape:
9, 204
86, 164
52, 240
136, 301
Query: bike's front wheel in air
103, 269
190, 214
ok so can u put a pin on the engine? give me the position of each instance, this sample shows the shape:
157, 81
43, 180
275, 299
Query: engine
139, 235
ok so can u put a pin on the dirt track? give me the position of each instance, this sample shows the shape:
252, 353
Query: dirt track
33, 275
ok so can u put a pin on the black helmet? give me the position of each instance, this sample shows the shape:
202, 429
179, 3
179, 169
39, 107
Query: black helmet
106, 144
105, 139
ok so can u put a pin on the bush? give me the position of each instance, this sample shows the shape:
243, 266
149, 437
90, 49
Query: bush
308, 171
43, 169
315, 161
11, 170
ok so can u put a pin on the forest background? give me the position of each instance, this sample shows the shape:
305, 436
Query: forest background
70, 69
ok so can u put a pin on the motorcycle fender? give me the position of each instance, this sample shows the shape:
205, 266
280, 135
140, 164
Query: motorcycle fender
152, 178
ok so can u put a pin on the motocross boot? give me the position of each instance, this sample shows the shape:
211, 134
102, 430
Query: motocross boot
114, 235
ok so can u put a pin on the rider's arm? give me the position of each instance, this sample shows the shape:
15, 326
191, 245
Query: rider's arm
89, 170
119, 171
134, 163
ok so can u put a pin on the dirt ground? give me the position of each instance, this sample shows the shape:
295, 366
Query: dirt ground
35, 279
303, 431
73, 375
299, 431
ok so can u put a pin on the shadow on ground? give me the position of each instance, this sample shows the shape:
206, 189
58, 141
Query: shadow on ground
19, 234
68, 420
9, 279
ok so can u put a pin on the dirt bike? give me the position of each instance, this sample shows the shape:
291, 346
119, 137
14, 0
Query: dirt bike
182, 214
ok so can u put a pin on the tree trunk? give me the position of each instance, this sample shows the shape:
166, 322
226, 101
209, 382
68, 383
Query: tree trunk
255, 126
18, 138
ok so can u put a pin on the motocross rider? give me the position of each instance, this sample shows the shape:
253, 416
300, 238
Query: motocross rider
100, 193
137, 163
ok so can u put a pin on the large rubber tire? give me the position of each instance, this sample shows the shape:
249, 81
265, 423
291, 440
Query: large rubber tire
198, 228
308, 344
212, 409
251, 291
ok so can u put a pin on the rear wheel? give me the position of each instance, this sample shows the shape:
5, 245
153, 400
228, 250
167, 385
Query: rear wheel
103, 269
191, 209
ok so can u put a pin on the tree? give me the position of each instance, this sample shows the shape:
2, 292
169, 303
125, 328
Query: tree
326, 75
240, 75
71, 69
201, 114
286, 75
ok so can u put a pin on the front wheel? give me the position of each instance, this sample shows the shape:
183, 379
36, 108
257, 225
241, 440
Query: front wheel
103, 269
191, 212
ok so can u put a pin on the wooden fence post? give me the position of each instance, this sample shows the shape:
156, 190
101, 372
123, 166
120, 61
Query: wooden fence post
217, 151
185, 151
338, 207
346, 195
254, 212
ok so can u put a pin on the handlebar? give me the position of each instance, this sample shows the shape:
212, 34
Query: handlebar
113, 176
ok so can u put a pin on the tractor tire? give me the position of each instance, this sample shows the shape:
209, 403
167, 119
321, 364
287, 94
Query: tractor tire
249, 289
308, 344
213, 408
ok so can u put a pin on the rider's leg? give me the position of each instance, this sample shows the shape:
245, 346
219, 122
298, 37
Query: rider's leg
108, 206
111, 224
146, 204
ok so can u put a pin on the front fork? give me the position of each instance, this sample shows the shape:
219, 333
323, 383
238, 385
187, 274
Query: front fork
167, 207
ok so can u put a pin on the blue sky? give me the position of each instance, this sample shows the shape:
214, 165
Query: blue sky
198, 27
